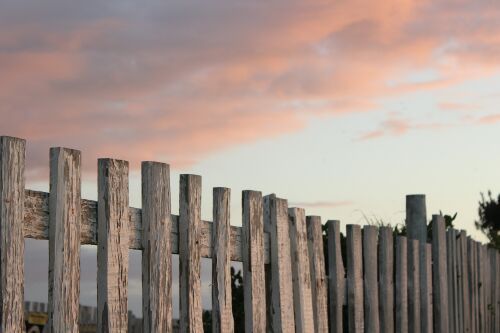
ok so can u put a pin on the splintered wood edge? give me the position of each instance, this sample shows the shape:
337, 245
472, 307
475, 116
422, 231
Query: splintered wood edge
36, 226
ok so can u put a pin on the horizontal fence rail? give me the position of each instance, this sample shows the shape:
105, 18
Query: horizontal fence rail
298, 275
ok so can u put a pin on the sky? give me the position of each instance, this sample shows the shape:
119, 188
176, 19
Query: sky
341, 107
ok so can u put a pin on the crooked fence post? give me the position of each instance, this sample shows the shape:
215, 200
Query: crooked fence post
439, 274
189, 254
12, 158
156, 255
302, 284
279, 288
113, 243
64, 240
336, 277
222, 310
355, 279
386, 279
372, 321
253, 262
318, 275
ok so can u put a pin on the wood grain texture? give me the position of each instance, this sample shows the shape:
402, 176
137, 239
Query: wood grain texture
336, 277
12, 160
318, 275
279, 278
371, 290
189, 254
64, 240
222, 310
355, 308
36, 226
401, 299
112, 250
301, 274
413, 286
439, 275
386, 279
253, 262
156, 254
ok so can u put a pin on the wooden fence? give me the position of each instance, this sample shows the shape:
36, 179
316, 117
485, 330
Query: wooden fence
385, 284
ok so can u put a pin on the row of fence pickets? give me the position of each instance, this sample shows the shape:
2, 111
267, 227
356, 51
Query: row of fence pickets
388, 285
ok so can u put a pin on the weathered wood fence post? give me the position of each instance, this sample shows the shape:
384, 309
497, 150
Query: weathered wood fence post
439, 275
189, 254
222, 310
253, 262
113, 243
336, 277
355, 279
302, 284
156, 255
12, 158
371, 290
64, 240
279, 278
386, 279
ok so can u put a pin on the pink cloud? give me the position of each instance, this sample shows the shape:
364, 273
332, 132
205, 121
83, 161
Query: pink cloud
178, 81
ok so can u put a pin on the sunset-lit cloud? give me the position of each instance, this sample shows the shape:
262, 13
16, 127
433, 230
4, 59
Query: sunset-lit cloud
176, 81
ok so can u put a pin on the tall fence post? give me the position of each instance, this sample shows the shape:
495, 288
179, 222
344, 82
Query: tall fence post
222, 310
416, 223
439, 274
354, 279
189, 254
112, 251
370, 237
279, 286
12, 158
318, 275
252, 248
401, 312
156, 255
336, 277
64, 239
302, 284
386, 279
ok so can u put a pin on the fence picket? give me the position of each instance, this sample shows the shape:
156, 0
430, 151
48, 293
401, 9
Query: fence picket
156, 256
401, 285
439, 275
372, 321
112, 251
318, 275
189, 254
64, 240
302, 280
464, 285
336, 277
413, 248
279, 275
386, 279
354, 279
253, 262
12, 158
222, 310
426, 289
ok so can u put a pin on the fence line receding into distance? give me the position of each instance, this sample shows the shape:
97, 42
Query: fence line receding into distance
381, 283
